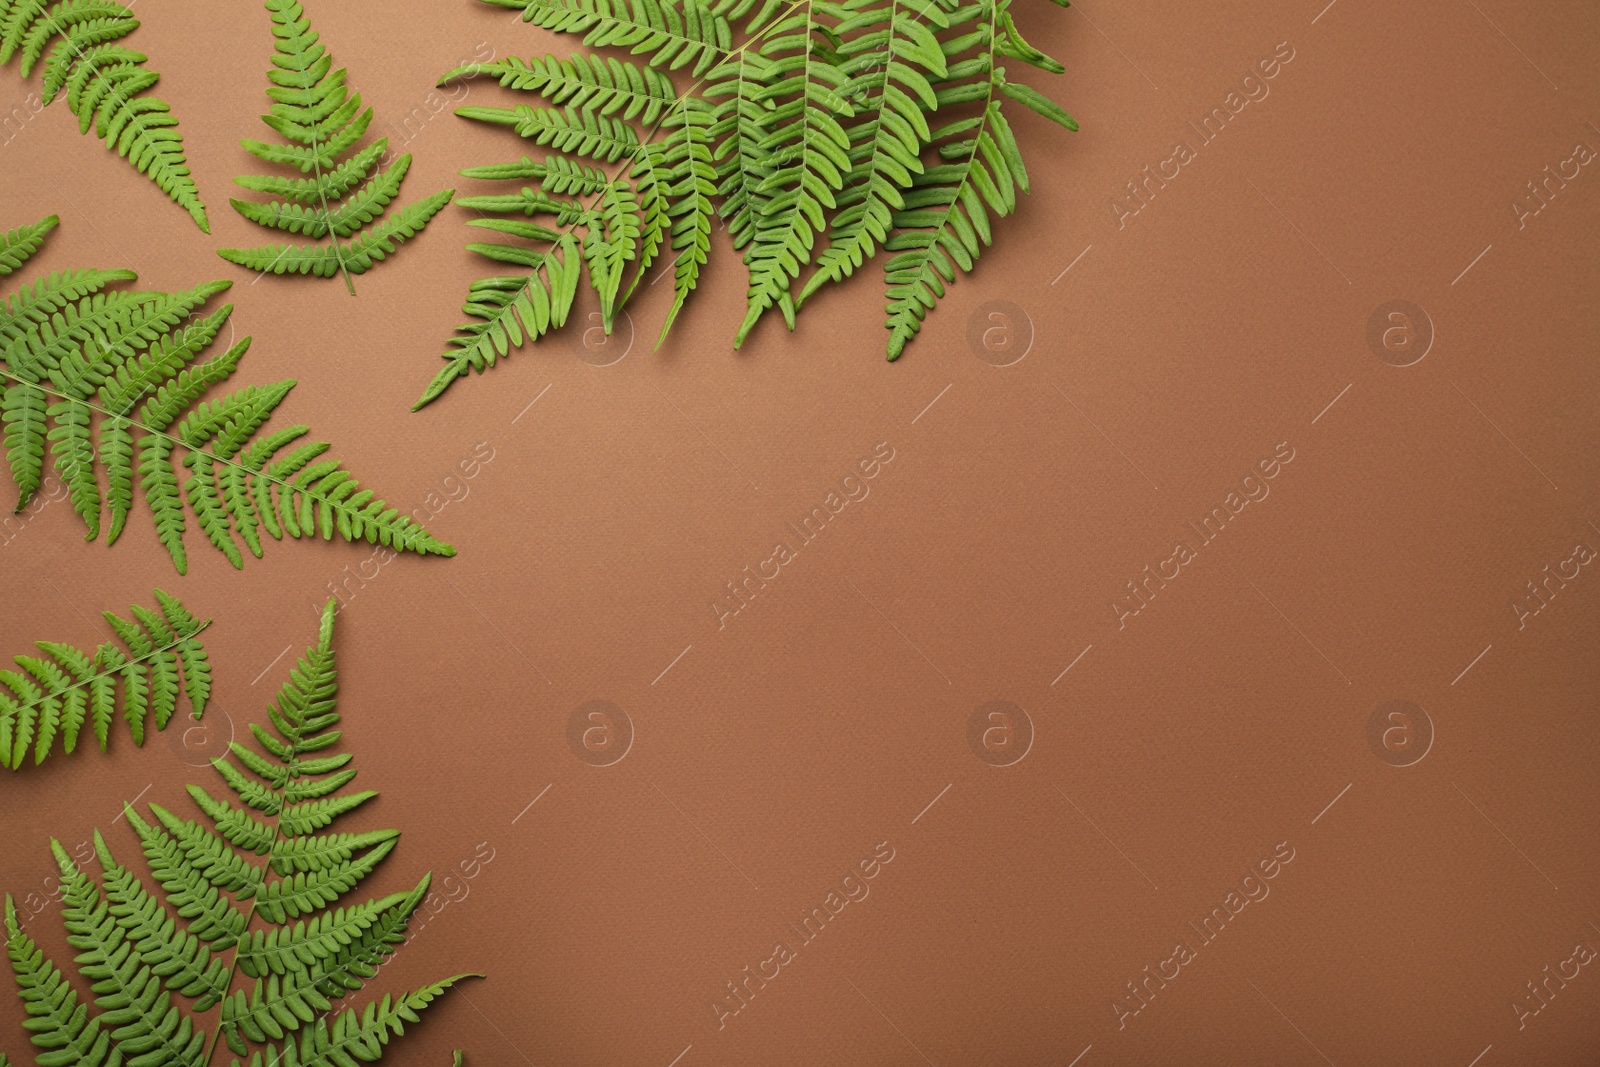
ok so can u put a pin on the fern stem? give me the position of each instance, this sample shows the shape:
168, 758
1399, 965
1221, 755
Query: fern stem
110, 674
327, 217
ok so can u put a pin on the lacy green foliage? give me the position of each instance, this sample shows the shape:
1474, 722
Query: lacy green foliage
820, 131
241, 936
111, 381
343, 200
55, 694
73, 43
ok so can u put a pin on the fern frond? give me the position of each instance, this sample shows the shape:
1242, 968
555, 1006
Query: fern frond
299, 971
56, 1019
677, 179
183, 961
594, 136
737, 131
128, 992
212, 954
356, 1035
76, 356
610, 243
320, 120
106, 84
55, 695
557, 175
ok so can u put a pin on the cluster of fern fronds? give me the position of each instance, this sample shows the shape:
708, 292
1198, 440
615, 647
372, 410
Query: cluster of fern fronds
246, 932
78, 356
105, 84
820, 131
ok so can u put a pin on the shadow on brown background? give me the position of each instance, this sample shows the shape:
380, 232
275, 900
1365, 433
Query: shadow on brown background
1222, 325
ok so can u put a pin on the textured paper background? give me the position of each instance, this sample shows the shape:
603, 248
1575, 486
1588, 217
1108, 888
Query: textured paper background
773, 754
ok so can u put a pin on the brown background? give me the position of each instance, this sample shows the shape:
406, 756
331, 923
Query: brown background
778, 751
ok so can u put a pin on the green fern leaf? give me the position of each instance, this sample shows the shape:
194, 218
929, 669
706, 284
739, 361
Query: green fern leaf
356, 1035
184, 961
677, 179
56, 1019
588, 134
105, 85
213, 955
19, 244
23, 411
357, 257
300, 970
610, 244
320, 120
76, 356
149, 1027
56, 694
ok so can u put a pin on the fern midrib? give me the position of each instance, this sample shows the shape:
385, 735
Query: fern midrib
306, 491
626, 166
327, 216
110, 674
